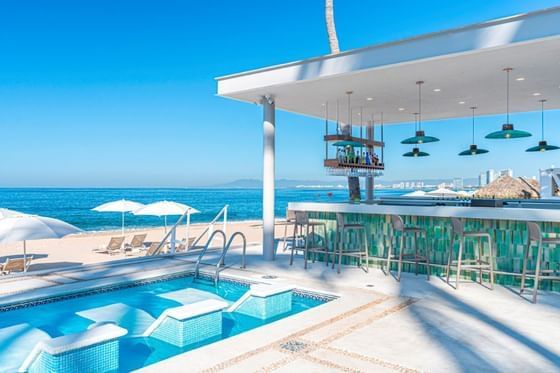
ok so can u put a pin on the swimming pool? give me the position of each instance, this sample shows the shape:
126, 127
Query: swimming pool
133, 306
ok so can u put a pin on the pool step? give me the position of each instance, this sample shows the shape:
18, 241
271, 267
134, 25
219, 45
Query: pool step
264, 301
94, 350
189, 324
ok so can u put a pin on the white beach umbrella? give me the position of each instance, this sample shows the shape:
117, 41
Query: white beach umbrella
121, 206
165, 209
33, 227
442, 192
6, 213
416, 193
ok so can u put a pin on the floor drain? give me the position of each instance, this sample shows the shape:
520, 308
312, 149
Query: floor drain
369, 285
293, 346
269, 277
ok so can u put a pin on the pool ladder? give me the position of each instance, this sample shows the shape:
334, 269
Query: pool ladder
220, 264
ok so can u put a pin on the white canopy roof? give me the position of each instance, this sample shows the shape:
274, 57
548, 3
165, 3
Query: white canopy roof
465, 64
442, 192
416, 193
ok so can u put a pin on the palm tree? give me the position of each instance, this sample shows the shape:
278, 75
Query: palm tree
331, 29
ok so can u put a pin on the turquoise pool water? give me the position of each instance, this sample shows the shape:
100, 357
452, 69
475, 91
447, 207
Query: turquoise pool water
133, 308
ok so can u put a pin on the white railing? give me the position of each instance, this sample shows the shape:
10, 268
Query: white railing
209, 230
171, 235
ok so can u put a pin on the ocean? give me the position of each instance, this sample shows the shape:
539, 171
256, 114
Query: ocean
74, 205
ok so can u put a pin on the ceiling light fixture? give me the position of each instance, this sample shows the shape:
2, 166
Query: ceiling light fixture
415, 153
543, 146
420, 136
507, 132
473, 149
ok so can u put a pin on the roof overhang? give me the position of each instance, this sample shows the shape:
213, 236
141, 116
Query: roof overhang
465, 64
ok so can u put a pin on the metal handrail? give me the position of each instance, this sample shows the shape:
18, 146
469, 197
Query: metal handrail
228, 246
171, 232
221, 260
210, 227
205, 248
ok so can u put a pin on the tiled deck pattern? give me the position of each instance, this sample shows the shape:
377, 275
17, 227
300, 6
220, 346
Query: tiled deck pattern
313, 346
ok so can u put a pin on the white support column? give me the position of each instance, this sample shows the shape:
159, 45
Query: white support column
269, 124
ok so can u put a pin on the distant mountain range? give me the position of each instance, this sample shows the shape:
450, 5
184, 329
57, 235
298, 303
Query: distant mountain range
280, 183
290, 184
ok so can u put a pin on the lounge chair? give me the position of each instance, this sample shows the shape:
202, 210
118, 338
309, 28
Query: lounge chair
145, 251
181, 246
114, 246
152, 249
137, 243
16, 265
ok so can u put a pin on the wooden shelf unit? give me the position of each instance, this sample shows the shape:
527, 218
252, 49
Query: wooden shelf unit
366, 142
335, 163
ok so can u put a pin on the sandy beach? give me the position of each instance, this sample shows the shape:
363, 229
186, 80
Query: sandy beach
75, 250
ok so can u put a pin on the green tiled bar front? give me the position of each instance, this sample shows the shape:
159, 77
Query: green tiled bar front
510, 238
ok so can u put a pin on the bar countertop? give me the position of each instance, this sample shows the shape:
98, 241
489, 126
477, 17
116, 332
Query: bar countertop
490, 213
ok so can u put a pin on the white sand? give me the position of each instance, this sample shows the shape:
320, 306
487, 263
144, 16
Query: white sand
77, 249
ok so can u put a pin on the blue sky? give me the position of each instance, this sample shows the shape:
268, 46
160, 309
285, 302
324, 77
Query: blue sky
122, 93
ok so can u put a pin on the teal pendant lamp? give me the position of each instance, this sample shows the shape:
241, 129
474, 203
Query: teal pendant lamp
416, 152
508, 132
473, 149
420, 136
543, 145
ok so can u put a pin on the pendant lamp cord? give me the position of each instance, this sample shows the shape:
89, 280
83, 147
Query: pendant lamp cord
419, 104
473, 109
542, 119
508, 70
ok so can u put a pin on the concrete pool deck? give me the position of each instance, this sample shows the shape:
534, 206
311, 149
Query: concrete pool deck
376, 324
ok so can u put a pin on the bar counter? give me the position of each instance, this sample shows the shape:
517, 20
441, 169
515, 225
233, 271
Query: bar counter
467, 212
507, 225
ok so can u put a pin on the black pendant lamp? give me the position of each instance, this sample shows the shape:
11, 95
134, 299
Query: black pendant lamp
420, 136
416, 151
543, 146
507, 132
473, 149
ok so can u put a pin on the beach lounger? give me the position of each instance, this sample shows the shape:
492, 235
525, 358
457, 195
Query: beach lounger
137, 243
16, 265
181, 246
114, 246
152, 249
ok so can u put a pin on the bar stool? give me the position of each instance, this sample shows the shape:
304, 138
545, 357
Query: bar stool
397, 224
535, 235
458, 229
342, 232
290, 220
303, 223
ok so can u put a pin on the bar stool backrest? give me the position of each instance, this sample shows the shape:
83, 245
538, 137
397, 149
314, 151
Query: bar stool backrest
458, 227
397, 223
290, 214
535, 233
339, 219
301, 218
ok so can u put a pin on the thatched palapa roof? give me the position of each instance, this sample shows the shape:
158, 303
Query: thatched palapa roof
507, 187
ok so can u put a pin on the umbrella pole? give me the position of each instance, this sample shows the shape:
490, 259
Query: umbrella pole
24, 256
122, 221
188, 225
165, 223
